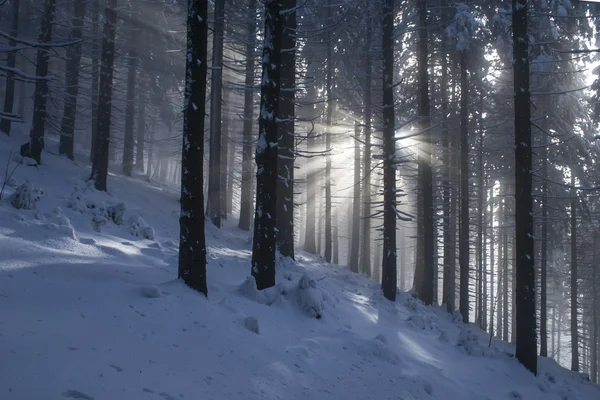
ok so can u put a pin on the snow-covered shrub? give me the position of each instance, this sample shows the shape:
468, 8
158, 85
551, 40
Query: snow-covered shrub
61, 224
138, 227
421, 322
267, 296
251, 323
115, 213
457, 318
151, 292
310, 299
26, 196
468, 341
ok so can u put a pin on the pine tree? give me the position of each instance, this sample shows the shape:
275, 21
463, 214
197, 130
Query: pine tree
9, 91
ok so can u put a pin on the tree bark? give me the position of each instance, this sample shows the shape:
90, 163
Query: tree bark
365, 251
526, 350
141, 127
574, 277
192, 247
213, 207
101, 154
264, 246
464, 189
246, 191
96, 50
355, 217
9, 91
328, 134
389, 274
287, 139
36, 144
132, 54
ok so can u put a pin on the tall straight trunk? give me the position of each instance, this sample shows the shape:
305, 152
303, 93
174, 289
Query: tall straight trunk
492, 255
213, 207
464, 189
246, 190
286, 145
595, 336
310, 238
553, 333
192, 246
336, 240
264, 246
559, 333
320, 224
231, 174
141, 128
36, 144
365, 251
225, 142
500, 293
480, 223
328, 134
100, 163
355, 217
544, 255
425, 286
9, 91
574, 324
525, 288
67, 131
389, 275
505, 295
402, 246
96, 50
132, 54
149, 171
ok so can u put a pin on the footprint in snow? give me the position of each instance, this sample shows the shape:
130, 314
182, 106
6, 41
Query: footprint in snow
116, 367
76, 394
88, 241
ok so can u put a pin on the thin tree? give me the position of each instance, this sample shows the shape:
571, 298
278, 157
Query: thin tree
574, 277
526, 350
67, 131
101, 148
9, 91
264, 245
192, 247
389, 276
355, 218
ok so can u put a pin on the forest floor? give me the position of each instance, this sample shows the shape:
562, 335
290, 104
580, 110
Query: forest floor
90, 309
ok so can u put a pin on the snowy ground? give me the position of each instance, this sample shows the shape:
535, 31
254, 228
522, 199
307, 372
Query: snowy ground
91, 311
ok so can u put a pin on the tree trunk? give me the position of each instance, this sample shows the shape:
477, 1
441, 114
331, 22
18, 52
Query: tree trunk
365, 251
246, 191
213, 207
286, 145
492, 255
525, 297
34, 149
263, 248
574, 324
225, 142
464, 189
132, 55
594, 342
192, 247
336, 240
481, 192
67, 131
544, 255
96, 50
100, 164
389, 275
425, 286
505, 295
355, 217
141, 128
9, 91
230, 174
328, 134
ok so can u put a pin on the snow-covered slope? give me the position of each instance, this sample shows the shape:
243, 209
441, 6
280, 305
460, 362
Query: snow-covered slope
90, 309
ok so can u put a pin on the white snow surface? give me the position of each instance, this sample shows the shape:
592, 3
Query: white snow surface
98, 314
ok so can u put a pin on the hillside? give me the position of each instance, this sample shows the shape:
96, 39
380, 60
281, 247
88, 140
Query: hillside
91, 309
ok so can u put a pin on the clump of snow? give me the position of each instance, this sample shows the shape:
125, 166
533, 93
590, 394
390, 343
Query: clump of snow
375, 348
140, 228
267, 296
115, 213
251, 323
62, 225
310, 299
422, 322
26, 196
468, 341
381, 337
151, 292
457, 318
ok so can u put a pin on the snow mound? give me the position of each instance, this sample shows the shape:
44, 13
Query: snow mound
422, 322
377, 349
267, 296
251, 323
26, 197
151, 292
469, 342
138, 227
309, 298
61, 225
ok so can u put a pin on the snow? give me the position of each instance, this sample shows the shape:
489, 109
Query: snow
99, 314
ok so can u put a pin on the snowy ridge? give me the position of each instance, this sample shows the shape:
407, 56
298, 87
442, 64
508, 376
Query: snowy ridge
91, 310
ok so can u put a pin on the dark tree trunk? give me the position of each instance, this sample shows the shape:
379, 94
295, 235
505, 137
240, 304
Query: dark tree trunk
263, 248
101, 154
96, 50
464, 189
574, 277
192, 247
67, 131
336, 240
230, 174
213, 207
594, 342
481, 192
544, 256
355, 217
365, 251
34, 150
286, 145
132, 54
247, 192
425, 286
225, 142
389, 276
141, 128
505, 275
328, 134
312, 180
492, 259
9, 91
526, 351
